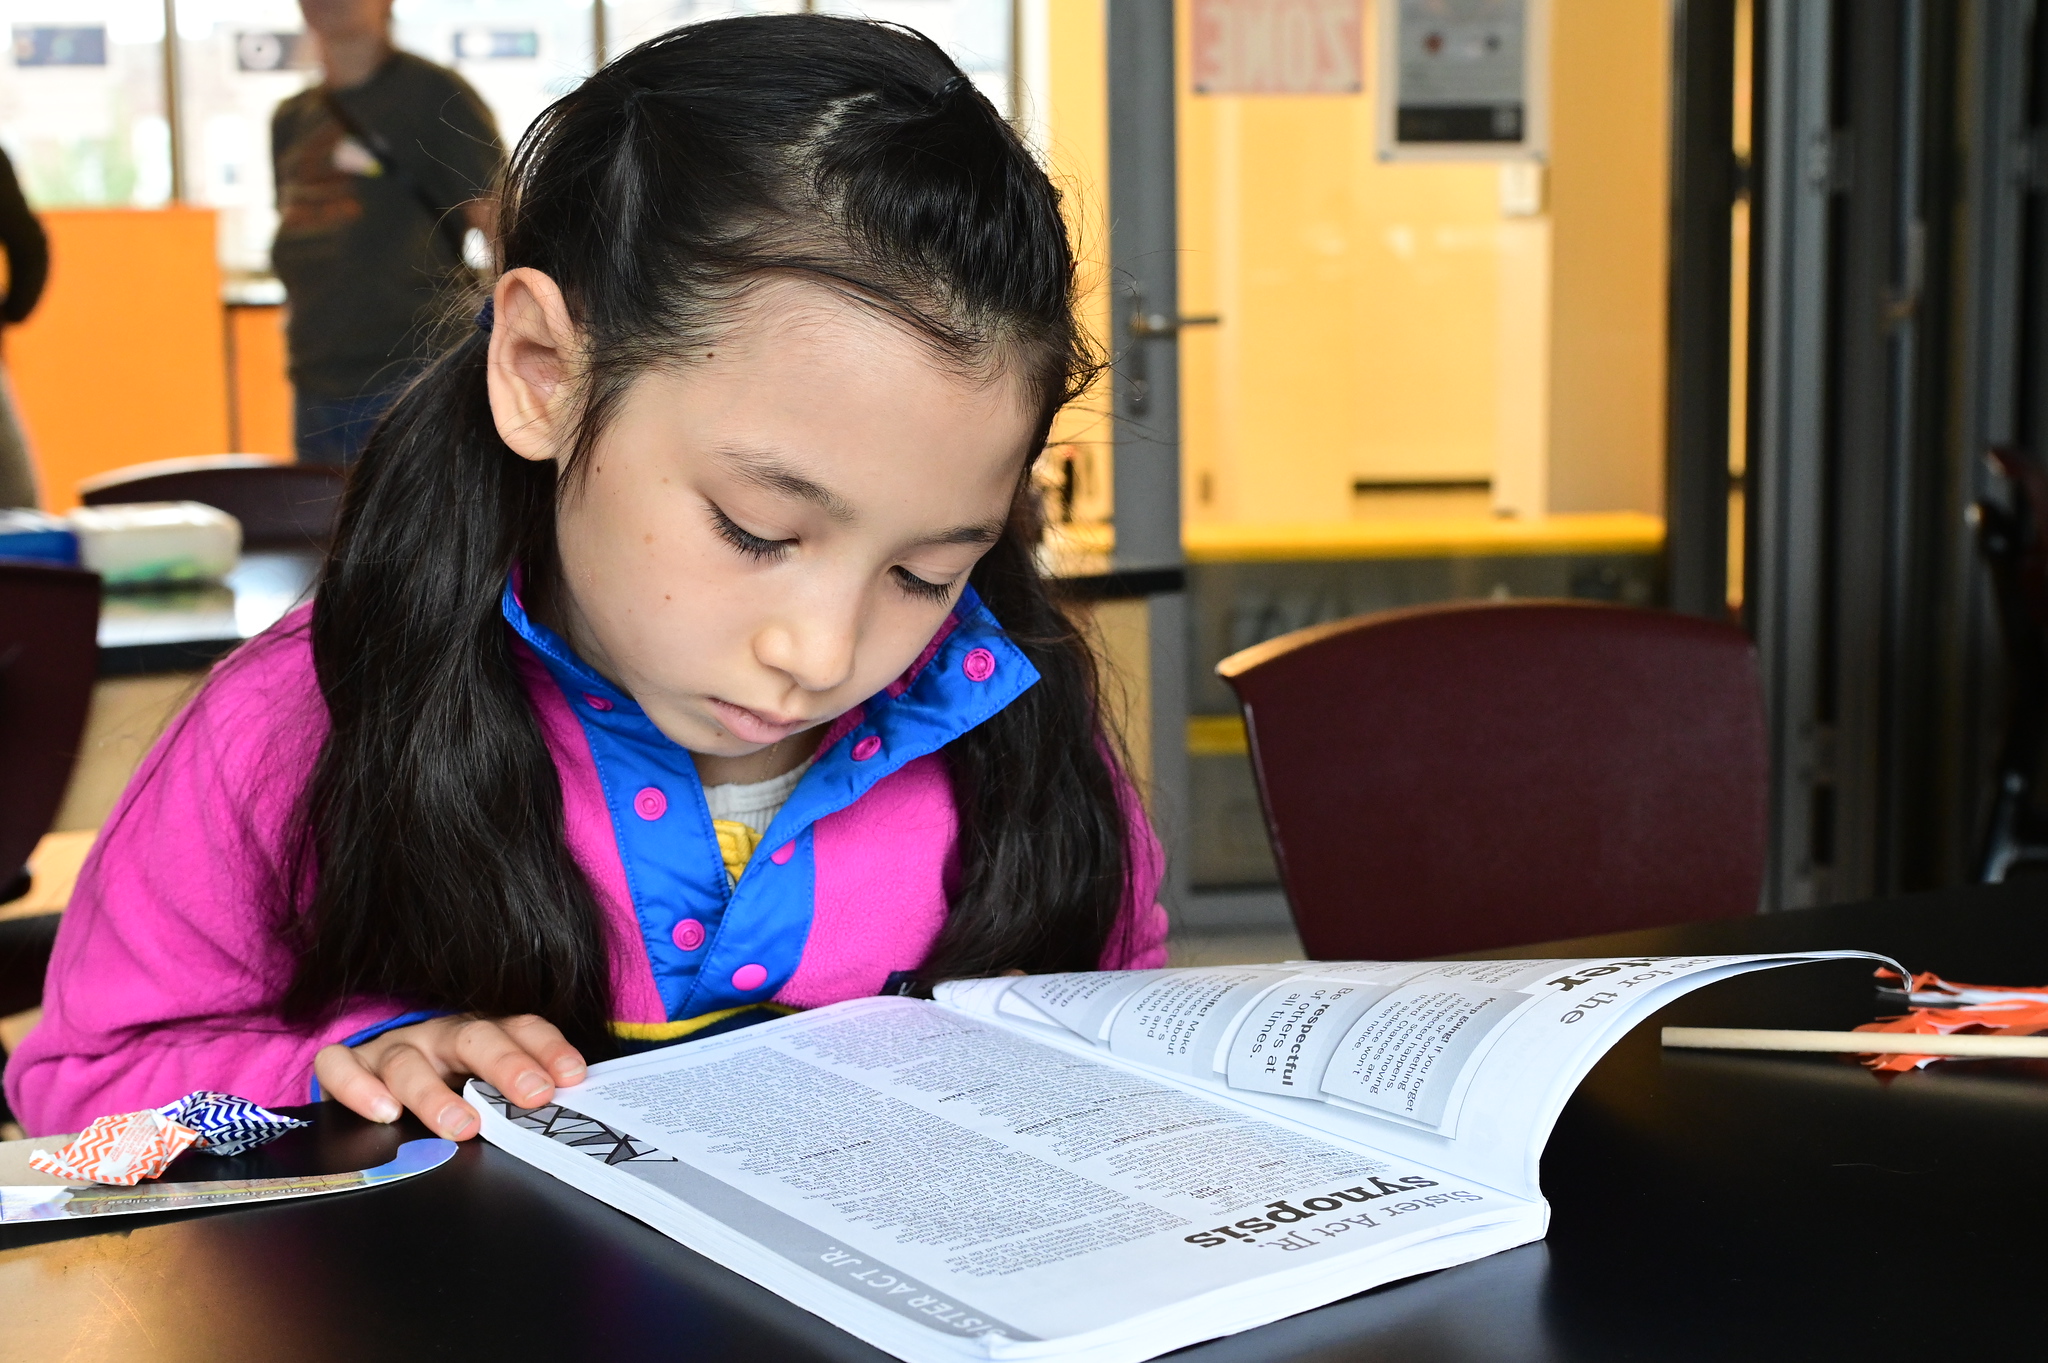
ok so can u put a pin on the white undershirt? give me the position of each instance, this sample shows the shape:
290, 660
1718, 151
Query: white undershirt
756, 803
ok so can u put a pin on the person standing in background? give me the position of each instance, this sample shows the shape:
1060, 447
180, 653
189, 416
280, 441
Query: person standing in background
382, 168
28, 265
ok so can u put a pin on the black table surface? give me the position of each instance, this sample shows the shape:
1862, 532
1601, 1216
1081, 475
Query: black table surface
1704, 1206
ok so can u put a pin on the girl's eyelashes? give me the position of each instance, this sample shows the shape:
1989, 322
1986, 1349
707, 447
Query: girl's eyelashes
916, 586
753, 546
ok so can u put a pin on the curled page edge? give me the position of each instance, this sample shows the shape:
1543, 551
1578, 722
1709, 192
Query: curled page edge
1398, 1135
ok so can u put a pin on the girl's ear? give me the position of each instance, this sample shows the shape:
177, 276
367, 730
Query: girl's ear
535, 350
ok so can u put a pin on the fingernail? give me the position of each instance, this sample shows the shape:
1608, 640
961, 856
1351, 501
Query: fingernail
384, 1110
532, 1085
572, 1074
454, 1120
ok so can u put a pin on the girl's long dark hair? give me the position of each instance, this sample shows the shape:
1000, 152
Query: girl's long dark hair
684, 172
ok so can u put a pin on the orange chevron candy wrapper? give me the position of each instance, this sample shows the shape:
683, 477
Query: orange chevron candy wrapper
123, 1149
1975, 1009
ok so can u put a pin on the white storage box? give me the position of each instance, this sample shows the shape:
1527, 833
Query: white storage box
139, 542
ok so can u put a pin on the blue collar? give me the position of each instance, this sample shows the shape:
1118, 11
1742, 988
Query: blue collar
971, 672
714, 947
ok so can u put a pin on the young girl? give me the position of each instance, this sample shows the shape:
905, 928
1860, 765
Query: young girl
681, 659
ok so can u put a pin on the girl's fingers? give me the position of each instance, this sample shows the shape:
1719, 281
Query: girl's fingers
522, 1057
344, 1078
488, 1051
543, 1041
413, 1079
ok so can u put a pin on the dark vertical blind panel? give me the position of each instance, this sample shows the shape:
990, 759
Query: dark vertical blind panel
1870, 327
1696, 406
1869, 603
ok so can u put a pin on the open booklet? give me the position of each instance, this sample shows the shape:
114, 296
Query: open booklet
1109, 1165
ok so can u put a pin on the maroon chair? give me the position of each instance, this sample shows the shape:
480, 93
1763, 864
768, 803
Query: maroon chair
280, 506
1459, 777
49, 659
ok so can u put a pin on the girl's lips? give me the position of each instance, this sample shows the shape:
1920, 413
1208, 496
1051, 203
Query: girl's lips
751, 726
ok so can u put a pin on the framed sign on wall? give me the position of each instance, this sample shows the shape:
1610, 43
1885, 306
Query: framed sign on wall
1463, 80
1278, 47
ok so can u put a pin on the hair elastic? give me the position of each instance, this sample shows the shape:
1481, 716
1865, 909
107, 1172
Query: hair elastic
487, 315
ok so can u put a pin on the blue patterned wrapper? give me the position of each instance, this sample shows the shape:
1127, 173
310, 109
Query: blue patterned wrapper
228, 1125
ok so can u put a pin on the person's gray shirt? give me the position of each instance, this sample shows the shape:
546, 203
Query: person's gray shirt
368, 235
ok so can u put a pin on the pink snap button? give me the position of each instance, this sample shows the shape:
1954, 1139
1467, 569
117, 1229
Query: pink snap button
979, 665
596, 702
650, 804
749, 978
781, 855
689, 934
866, 748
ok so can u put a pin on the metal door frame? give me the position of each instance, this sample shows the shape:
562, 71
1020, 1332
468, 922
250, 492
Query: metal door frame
1145, 384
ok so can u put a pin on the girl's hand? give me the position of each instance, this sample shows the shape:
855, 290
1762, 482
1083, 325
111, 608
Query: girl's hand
522, 1057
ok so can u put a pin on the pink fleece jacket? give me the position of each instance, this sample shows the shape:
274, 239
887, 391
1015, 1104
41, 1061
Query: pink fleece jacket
169, 964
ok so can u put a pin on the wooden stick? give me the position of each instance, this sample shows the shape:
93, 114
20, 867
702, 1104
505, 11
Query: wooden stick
1860, 1043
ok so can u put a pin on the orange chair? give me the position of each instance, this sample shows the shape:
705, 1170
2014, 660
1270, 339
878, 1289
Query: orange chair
1455, 778
280, 505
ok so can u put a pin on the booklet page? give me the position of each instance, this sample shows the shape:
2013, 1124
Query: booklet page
1465, 1063
949, 1170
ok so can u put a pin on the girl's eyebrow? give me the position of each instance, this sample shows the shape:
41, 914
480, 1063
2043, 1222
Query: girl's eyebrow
982, 532
766, 471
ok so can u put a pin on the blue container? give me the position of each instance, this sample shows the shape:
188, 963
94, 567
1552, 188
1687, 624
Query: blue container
41, 538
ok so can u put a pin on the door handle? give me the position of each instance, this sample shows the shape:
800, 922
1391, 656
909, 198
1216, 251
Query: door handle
1147, 325
1151, 326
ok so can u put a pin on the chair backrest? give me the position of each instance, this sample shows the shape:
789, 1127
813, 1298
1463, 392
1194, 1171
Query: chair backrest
26, 945
280, 506
49, 659
1459, 777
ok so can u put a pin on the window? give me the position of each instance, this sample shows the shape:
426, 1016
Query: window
83, 112
82, 108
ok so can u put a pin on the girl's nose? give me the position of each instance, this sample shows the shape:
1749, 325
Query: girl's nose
815, 650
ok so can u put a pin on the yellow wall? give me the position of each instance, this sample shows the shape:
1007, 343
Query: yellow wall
1387, 321
1610, 227
1359, 306
123, 360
